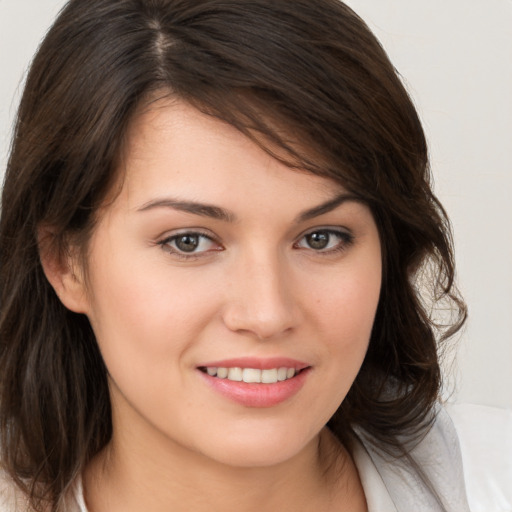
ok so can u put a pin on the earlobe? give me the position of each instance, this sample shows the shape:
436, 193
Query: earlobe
63, 270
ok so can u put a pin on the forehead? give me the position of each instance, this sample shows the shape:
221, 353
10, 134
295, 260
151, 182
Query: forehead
171, 147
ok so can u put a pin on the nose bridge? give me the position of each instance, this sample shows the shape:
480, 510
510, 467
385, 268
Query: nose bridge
261, 299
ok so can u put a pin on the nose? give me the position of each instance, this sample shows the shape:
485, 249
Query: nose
262, 302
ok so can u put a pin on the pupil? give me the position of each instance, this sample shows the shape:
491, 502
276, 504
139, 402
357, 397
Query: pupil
187, 243
318, 240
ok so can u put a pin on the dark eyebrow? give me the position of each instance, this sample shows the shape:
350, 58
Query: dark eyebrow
205, 210
216, 212
326, 207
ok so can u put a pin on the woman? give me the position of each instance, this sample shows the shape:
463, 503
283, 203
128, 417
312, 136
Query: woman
217, 217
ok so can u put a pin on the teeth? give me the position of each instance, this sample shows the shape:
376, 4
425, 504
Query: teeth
235, 374
252, 375
269, 376
222, 373
281, 373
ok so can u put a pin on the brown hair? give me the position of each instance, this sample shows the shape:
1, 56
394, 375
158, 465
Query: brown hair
312, 68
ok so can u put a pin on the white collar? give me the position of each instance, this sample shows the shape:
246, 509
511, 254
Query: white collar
375, 490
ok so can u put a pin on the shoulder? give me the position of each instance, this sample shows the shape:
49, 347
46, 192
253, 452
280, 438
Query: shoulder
429, 478
11, 499
463, 463
485, 438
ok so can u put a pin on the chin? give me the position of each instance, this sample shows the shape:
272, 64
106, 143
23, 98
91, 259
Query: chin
256, 450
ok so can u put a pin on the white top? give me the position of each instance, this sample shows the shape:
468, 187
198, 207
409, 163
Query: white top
467, 457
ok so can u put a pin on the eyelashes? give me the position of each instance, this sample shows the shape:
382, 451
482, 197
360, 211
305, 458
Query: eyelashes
191, 245
325, 240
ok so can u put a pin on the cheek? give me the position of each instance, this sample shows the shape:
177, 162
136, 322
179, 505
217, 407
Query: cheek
146, 325
347, 306
341, 315
148, 315
346, 312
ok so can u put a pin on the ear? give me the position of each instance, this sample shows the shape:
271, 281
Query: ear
63, 270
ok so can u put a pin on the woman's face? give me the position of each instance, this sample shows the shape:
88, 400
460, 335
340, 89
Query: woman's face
217, 263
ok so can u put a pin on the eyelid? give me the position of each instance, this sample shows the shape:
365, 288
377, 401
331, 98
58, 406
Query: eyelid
342, 230
186, 231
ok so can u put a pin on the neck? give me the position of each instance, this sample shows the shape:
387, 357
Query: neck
320, 477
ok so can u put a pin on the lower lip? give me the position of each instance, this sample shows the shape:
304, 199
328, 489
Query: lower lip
258, 395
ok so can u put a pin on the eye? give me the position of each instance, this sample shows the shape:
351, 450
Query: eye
189, 244
325, 240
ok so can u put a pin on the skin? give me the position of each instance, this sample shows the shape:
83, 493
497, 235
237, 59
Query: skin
254, 287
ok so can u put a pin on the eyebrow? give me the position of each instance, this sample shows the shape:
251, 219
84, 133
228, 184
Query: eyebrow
202, 209
326, 207
216, 212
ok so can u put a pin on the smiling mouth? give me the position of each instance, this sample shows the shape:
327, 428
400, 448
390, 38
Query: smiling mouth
252, 375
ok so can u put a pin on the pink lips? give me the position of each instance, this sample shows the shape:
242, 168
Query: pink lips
258, 363
256, 394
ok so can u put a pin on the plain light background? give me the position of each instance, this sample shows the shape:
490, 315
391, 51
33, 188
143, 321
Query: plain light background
455, 57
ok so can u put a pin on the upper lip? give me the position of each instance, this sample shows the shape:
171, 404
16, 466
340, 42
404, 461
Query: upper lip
256, 363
